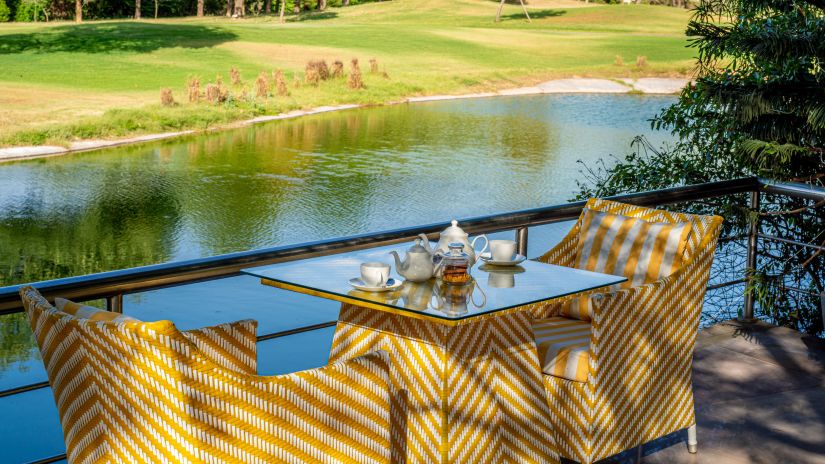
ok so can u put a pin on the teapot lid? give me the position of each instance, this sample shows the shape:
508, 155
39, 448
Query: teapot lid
453, 229
417, 248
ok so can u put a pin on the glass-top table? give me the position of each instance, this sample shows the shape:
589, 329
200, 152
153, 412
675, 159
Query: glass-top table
493, 289
464, 360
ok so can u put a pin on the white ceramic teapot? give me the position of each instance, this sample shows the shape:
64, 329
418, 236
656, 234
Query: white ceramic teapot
417, 265
455, 234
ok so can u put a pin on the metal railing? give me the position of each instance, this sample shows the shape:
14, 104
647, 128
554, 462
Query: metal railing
112, 286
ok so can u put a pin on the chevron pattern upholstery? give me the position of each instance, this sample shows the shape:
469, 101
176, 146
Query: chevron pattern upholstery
232, 345
470, 393
641, 348
143, 392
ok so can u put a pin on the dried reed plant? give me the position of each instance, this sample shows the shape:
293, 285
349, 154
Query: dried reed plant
355, 80
619, 61
166, 98
213, 93
235, 76
193, 87
337, 69
311, 75
316, 71
641, 61
373, 66
280, 83
262, 85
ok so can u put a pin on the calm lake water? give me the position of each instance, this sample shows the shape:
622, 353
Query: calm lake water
317, 177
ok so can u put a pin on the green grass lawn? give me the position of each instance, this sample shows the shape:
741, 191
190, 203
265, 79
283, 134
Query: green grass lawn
63, 81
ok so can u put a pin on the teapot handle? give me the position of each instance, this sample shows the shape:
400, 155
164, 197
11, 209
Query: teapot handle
483, 296
486, 242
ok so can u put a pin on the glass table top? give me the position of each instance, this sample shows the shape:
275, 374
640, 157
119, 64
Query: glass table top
492, 289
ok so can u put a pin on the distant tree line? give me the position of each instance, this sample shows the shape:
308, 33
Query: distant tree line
78, 10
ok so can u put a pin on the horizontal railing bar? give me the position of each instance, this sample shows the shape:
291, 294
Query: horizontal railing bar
284, 333
150, 277
731, 238
23, 389
792, 242
792, 189
56, 458
726, 284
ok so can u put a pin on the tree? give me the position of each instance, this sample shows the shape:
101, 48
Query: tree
200, 8
757, 108
5, 13
239, 9
283, 10
78, 11
137, 9
268, 6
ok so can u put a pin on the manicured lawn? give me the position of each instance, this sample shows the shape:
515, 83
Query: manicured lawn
99, 79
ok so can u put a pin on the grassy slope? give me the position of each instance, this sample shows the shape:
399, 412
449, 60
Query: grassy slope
59, 79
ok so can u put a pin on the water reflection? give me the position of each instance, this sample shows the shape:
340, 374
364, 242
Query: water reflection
292, 181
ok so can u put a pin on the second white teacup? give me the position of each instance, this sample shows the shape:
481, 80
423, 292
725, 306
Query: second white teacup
375, 274
502, 250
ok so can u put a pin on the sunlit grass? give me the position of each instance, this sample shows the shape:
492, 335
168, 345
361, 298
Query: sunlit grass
59, 80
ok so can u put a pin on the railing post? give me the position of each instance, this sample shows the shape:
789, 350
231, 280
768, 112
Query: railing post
750, 270
521, 241
114, 303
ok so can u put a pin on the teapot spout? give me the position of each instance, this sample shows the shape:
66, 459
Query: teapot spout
398, 265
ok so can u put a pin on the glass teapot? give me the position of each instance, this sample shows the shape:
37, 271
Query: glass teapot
454, 234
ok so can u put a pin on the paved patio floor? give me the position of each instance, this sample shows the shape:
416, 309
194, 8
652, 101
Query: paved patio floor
760, 398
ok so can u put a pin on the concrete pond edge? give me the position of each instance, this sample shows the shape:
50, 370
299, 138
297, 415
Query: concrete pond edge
645, 85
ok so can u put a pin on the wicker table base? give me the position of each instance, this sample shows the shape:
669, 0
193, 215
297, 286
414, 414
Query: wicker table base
464, 394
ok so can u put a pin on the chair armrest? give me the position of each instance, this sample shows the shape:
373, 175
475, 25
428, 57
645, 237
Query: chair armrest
564, 253
233, 345
336, 413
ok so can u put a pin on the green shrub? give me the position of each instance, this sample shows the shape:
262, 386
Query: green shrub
29, 10
5, 13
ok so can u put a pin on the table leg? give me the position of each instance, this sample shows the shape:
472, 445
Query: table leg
469, 393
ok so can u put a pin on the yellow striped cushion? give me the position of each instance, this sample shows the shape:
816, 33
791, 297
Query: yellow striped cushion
564, 347
642, 251
90, 312
231, 345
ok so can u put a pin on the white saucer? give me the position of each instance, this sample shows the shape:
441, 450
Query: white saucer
487, 258
359, 284
493, 269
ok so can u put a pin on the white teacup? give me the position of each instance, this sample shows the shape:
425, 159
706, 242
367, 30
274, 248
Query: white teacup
375, 274
501, 280
502, 250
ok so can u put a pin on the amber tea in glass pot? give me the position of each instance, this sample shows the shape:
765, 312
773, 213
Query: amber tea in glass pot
455, 265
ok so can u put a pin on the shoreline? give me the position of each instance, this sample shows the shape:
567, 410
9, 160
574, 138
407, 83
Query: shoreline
641, 86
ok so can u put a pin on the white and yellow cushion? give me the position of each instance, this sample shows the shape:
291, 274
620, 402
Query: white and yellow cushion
564, 347
90, 312
642, 251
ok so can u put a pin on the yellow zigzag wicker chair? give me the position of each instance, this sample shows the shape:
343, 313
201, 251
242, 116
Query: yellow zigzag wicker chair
143, 392
642, 338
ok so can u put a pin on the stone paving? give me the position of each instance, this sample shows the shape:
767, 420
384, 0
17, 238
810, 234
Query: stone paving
760, 398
